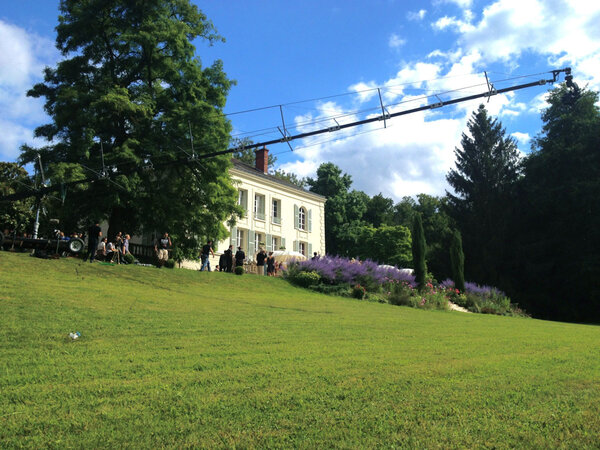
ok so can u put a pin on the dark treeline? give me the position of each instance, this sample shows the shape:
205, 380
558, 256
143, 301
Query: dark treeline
529, 226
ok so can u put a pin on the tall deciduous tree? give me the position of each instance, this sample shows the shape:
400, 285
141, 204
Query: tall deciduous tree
125, 97
343, 209
15, 216
487, 169
558, 251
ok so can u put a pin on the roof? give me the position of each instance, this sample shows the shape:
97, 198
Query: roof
259, 173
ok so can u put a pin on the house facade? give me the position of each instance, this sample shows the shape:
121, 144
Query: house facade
278, 215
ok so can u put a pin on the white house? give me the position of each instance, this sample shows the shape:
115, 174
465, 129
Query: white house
278, 214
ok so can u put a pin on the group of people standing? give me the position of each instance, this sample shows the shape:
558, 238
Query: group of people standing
265, 263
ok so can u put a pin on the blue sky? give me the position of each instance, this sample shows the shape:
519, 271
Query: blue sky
339, 52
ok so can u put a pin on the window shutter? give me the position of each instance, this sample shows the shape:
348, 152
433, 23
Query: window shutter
245, 200
296, 246
309, 250
233, 239
296, 218
283, 242
250, 254
270, 243
310, 220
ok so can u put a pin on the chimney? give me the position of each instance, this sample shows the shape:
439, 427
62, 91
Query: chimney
262, 159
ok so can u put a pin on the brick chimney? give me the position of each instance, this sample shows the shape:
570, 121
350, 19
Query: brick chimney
262, 159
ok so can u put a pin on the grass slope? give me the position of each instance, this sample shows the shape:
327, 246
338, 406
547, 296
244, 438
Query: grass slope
182, 358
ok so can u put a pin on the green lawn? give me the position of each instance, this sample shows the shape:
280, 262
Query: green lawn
179, 358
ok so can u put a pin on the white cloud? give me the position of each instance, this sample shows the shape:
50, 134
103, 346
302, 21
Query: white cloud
459, 25
365, 91
416, 15
460, 3
522, 138
396, 41
23, 57
415, 152
565, 31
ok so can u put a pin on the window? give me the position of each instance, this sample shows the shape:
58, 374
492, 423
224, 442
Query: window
302, 219
274, 243
302, 248
240, 238
276, 211
259, 206
259, 241
243, 199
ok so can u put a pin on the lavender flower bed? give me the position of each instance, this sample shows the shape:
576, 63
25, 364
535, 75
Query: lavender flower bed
338, 270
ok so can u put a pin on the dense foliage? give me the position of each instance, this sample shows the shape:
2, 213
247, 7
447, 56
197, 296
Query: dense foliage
559, 228
487, 169
526, 226
418, 251
457, 260
15, 216
122, 104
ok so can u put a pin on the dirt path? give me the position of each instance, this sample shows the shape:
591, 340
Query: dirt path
455, 307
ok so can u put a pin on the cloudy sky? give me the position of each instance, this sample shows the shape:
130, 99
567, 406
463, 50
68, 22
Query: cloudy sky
315, 64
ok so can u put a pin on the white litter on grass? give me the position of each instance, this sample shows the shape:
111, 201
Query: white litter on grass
74, 335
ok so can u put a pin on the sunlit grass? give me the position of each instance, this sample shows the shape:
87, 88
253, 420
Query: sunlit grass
182, 358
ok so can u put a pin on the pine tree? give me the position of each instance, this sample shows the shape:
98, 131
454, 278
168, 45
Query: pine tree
487, 169
124, 98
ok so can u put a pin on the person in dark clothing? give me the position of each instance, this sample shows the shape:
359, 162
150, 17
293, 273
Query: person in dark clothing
240, 256
270, 265
260, 261
94, 233
222, 263
207, 250
229, 258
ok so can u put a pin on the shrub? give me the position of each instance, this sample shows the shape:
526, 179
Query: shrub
170, 263
306, 279
343, 290
336, 270
239, 270
402, 294
359, 292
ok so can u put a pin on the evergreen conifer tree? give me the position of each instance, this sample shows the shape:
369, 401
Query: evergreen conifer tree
484, 180
418, 251
457, 261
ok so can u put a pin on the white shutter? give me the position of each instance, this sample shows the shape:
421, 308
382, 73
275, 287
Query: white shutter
233, 239
296, 217
269, 243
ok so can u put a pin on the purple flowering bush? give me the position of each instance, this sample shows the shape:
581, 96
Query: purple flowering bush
366, 279
481, 299
335, 270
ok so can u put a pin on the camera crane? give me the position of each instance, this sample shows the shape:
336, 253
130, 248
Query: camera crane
385, 115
